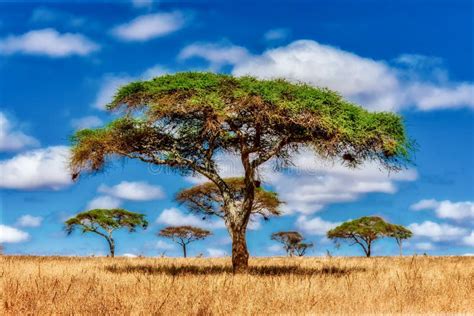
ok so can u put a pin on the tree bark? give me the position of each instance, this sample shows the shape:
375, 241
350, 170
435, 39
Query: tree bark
111, 246
184, 250
368, 249
240, 254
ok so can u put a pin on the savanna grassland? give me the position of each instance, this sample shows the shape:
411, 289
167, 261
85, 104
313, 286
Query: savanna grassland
144, 286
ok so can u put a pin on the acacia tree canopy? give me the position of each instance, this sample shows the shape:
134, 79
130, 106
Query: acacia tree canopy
365, 230
206, 199
293, 242
400, 233
104, 222
183, 235
184, 120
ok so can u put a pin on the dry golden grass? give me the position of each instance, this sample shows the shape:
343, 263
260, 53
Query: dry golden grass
144, 286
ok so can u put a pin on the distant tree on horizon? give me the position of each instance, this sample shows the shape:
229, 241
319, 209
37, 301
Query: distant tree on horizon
293, 242
184, 235
185, 121
400, 233
366, 230
205, 199
104, 222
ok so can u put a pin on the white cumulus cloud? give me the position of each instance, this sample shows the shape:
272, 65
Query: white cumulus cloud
277, 249
135, 191
215, 252
310, 183
217, 55
174, 217
12, 139
29, 221
315, 226
104, 202
375, 84
436, 231
45, 168
424, 246
447, 209
146, 27
86, 122
469, 239
107, 89
112, 82
48, 42
162, 245
12, 235
276, 34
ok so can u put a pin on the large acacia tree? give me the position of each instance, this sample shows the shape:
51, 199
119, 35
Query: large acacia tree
104, 222
185, 120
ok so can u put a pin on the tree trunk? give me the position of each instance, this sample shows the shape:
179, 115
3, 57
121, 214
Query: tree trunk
400, 247
184, 250
368, 249
240, 254
111, 246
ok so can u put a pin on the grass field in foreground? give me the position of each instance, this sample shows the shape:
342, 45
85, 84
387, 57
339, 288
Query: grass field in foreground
122, 286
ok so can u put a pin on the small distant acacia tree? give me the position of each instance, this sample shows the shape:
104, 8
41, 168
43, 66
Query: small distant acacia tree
104, 222
302, 247
186, 120
293, 242
400, 233
364, 231
205, 199
183, 235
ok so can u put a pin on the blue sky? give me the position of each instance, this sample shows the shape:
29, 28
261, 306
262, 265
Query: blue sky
60, 63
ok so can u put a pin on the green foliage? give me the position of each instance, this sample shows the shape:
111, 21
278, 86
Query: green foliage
206, 199
399, 232
365, 230
293, 242
184, 234
184, 112
369, 226
220, 91
106, 219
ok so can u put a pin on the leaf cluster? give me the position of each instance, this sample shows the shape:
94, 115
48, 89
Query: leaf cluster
106, 219
184, 234
368, 228
292, 241
182, 120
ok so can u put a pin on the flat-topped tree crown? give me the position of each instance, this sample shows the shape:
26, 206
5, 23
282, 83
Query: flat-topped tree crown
183, 235
400, 233
104, 222
187, 116
185, 120
292, 241
206, 199
365, 230
186, 233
